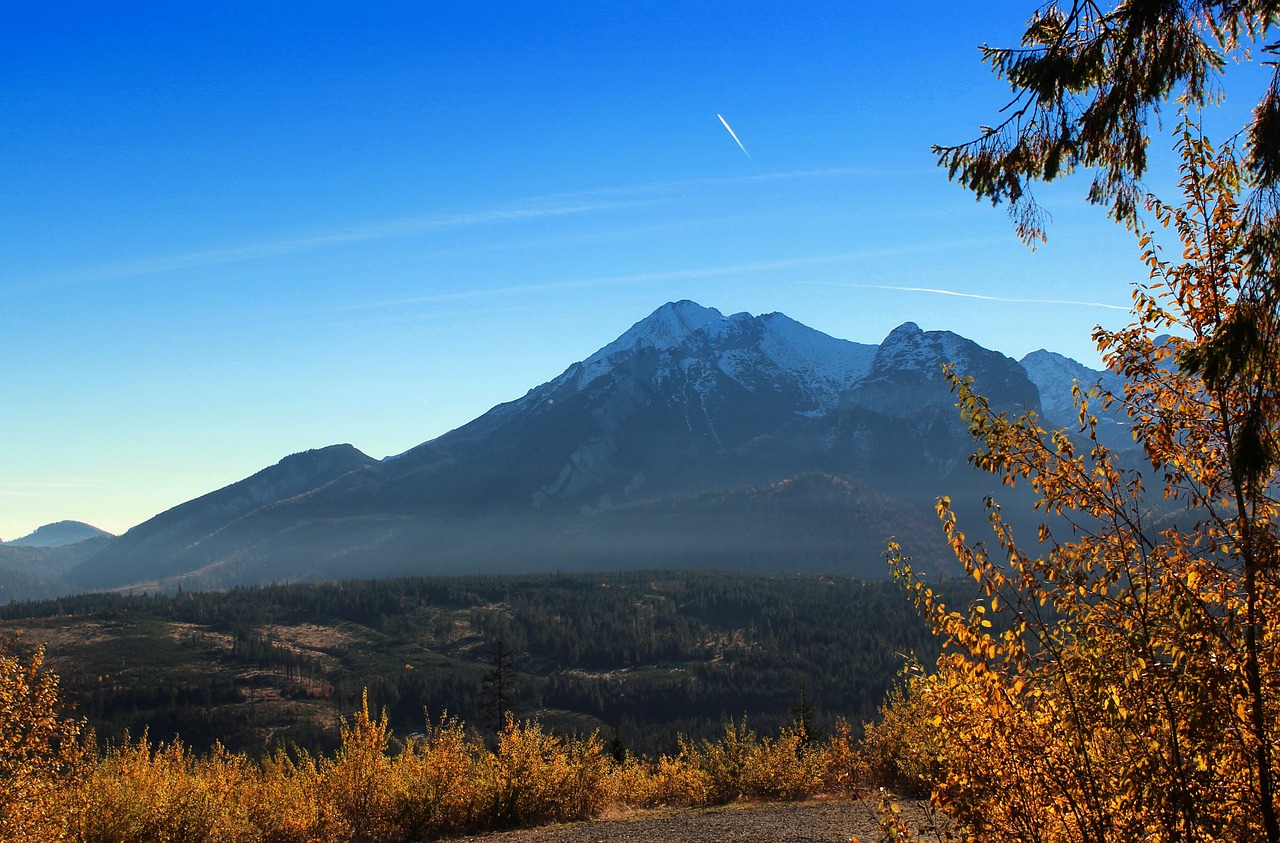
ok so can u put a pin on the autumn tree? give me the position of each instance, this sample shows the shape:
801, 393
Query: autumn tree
41, 751
1088, 80
1119, 680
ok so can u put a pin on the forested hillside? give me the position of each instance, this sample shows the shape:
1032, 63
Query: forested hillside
641, 655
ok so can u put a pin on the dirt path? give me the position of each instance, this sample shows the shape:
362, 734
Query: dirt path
795, 822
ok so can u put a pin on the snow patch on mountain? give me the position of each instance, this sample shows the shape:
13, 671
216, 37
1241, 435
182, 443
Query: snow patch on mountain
822, 360
665, 328
1054, 375
909, 349
906, 377
757, 352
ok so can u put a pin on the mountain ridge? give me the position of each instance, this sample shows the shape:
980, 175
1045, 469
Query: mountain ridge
58, 534
685, 403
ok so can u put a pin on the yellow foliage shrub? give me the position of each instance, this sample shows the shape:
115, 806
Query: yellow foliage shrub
741, 764
140, 793
447, 782
900, 750
356, 799
676, 780
40, 752
435, 791
537, 777
284, 801
845, 770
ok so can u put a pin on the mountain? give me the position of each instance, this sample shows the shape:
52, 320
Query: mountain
32, 567
158, 548
693, 440
58, 534
29, 572
1054, 377
906, 378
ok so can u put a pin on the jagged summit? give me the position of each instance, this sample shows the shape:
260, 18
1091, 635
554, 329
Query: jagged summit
1055, 375
750, 350
906, 377
638, 442
908, 348
666, 327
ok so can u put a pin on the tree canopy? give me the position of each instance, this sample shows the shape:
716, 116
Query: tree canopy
1087, 81
1121, 677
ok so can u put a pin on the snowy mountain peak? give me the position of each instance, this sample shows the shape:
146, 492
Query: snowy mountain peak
743, 347
666, 327
1054, 375
1043, 364
911, 349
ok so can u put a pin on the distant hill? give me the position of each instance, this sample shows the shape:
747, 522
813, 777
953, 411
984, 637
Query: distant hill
59, 534
32, 573
693, 440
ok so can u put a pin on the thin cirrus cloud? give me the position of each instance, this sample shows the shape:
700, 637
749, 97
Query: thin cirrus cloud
941, 292
374, 231
598, 200
660, 276
40, 489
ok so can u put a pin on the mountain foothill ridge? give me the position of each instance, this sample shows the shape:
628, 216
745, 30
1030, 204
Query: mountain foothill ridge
695, 439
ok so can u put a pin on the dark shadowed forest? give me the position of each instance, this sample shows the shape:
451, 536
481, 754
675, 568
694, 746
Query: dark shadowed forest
641, 657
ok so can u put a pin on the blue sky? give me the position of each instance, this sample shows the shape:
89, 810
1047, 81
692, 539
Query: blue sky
237, 231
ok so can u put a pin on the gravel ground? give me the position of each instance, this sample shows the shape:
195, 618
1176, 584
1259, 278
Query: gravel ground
832, 821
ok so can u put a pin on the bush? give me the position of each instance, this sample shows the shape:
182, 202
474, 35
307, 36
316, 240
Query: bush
140, 793
41, 752
446, 782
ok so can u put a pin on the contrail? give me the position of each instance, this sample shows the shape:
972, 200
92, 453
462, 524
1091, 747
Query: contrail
734, 135
939, 292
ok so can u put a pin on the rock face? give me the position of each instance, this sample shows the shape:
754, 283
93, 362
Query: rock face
906, 377
646, 453
1054, 377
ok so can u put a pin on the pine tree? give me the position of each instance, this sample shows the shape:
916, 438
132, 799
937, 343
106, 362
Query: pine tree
498, 690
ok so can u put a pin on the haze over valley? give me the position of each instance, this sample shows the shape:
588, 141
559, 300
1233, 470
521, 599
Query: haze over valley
693, 440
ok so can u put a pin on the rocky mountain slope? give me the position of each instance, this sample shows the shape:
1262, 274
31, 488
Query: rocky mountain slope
694, 439
1054, 377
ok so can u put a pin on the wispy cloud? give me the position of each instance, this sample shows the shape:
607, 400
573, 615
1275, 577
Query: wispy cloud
575, 203
356, 234
941, 292
658, 276
41, 489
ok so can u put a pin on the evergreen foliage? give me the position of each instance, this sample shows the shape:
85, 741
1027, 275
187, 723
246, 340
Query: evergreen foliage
643, 655
1087, 80
445, 781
